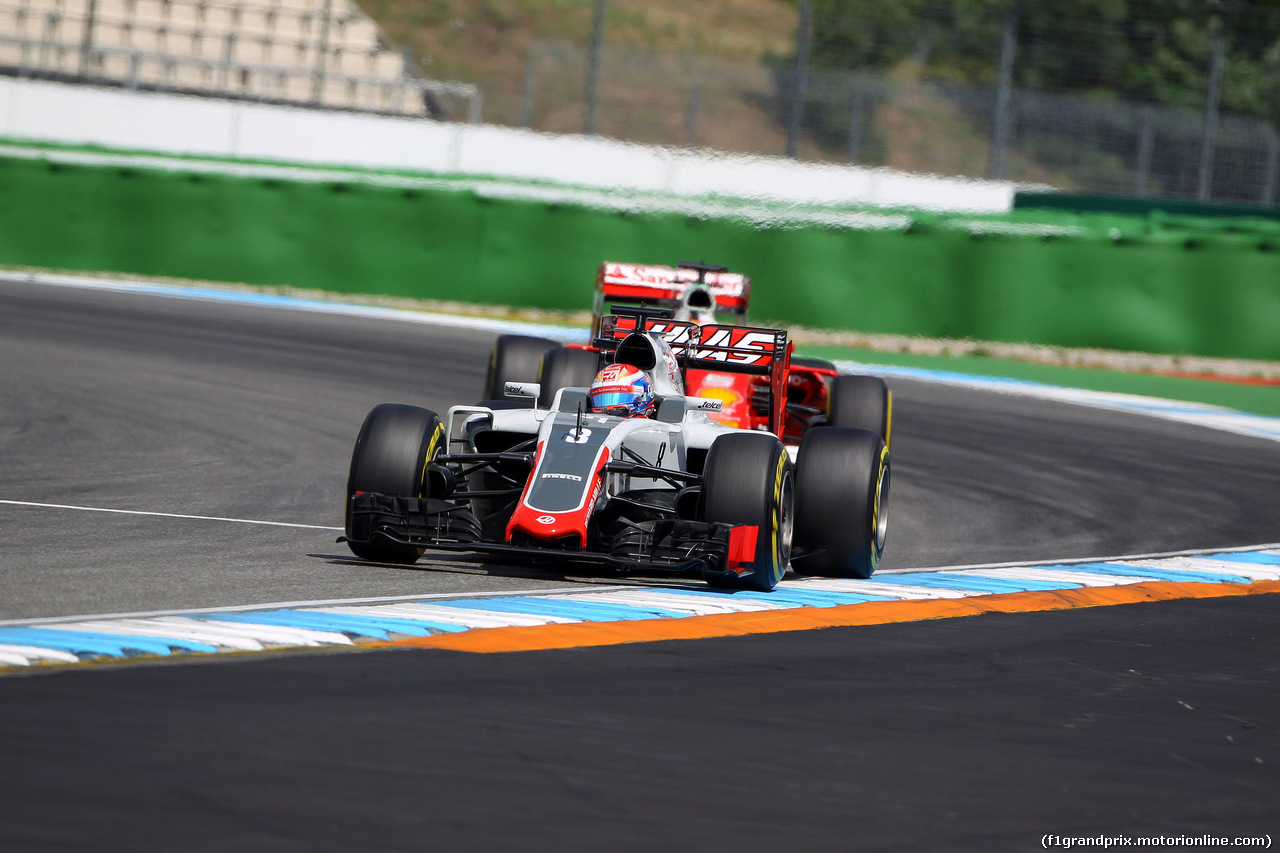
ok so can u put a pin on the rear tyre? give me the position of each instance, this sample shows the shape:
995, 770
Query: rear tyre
842, 502
747, 479
818, 363
861, 402
390, 457
566, 367
514, 358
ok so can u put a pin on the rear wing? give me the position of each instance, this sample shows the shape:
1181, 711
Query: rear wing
714, 347
667, 287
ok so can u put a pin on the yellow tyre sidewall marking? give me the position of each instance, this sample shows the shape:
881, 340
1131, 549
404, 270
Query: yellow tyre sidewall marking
876, 549
888, 422
776, 566
422, 475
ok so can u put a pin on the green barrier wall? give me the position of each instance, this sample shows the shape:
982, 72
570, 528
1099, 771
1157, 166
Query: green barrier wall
1126, 205
1122, 284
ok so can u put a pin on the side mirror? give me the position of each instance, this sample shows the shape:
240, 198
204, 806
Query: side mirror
703, 404
522, 389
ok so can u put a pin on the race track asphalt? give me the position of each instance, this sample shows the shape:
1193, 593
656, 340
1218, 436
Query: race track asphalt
976, 734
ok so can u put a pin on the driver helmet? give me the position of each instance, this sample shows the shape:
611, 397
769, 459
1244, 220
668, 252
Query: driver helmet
623, 391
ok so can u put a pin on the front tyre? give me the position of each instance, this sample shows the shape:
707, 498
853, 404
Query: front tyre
514, 358
392, 451
842, 502
747, 479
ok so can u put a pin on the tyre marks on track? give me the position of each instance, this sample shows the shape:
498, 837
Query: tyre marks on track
562, 619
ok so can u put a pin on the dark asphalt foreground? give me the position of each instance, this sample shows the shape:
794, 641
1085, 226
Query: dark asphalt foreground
984, 733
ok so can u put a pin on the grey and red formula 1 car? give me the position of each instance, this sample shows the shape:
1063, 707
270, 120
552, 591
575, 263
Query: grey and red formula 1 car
539, 475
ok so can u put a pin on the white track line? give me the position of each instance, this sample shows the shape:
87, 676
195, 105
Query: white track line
1070, 561
167, 515
291, 605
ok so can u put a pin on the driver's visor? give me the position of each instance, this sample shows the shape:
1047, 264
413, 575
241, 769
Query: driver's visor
609, 400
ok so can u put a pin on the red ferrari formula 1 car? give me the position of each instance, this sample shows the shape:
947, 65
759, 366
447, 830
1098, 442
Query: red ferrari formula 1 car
702, 294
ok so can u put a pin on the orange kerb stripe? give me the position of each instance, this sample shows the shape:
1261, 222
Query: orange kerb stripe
583, 634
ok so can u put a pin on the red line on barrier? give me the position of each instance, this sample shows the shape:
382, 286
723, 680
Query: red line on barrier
1218, 377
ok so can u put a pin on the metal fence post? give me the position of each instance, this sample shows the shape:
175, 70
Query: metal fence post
1221, 26
86, 43
526, 89
228, 54
691, 117
1145, 143
1273, 163
856, 112
322, 52
1000, 130
50, 37
1203, 190
593, 68
800, 82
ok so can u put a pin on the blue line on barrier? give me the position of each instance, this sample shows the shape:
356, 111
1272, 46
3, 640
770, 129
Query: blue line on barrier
1247, 557
1132, 571
364, 626
87, 642
786, 596
963, 581
584, 611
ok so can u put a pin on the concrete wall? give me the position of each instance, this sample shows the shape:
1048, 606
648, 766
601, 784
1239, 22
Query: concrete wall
34, 110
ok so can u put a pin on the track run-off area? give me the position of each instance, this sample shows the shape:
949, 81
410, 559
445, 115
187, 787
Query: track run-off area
174, 466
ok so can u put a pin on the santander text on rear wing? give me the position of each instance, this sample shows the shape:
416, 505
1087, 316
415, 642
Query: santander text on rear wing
668, 287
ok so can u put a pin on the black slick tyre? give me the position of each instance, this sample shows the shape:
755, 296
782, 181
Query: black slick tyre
818, 363
747, 479
842, 502
395, 444
566, 367
514, 358
861, 402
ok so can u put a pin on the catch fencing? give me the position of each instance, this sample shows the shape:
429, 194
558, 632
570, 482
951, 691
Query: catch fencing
1072, 143
329, 54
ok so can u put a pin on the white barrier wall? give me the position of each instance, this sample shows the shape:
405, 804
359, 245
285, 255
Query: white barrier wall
41, 111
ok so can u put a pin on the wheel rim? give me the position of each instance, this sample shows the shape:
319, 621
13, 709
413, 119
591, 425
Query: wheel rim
880, 516
786, 519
